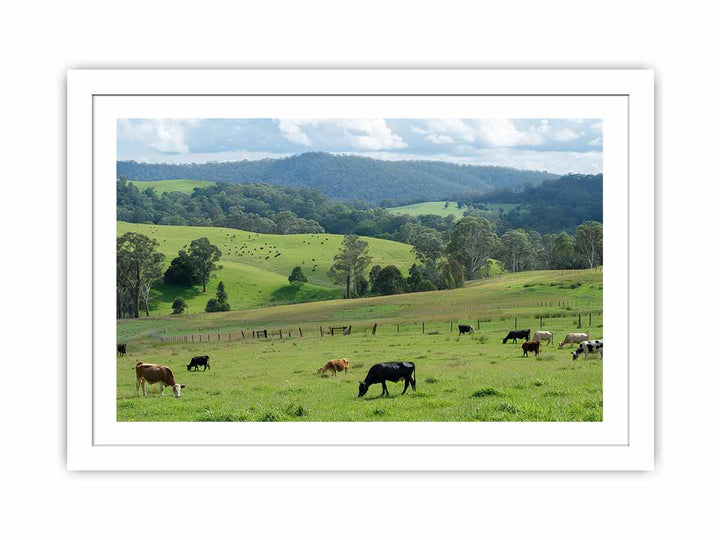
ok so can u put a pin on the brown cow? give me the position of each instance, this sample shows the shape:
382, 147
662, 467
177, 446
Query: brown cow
335, 365
154, 373
530, 346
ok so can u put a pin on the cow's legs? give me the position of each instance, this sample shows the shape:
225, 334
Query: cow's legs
137, 387
162, 389
385, 390
144, 387
407, 383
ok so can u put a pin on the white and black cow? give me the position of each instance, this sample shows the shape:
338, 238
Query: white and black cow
589, 347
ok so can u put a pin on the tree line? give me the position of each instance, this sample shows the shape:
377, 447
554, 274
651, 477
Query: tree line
345, 176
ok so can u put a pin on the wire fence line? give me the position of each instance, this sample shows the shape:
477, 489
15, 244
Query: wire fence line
537, 321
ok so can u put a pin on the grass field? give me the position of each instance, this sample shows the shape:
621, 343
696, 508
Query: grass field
523, 294
256, 266
460, 378
438, 208
161, 186
433, 207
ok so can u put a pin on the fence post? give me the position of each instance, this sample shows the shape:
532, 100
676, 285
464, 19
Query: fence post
423, 327
541, 322
218, 337
590, 315
281, 333
332, 331
579, 320
321, 332
451, 325
300, 330
515, 323
243, 333
374, 328
398, 328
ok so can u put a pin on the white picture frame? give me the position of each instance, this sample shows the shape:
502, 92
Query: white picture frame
623, 441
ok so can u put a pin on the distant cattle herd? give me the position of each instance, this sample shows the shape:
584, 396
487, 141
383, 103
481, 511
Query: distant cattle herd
378, 373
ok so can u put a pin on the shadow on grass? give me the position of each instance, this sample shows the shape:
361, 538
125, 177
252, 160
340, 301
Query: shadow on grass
291, 294
165, 294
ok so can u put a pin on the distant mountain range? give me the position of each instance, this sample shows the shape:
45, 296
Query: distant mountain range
348, 177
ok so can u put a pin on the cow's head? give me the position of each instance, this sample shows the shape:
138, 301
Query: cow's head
188, 367
505, 341
176, 389
576, 354
363, 389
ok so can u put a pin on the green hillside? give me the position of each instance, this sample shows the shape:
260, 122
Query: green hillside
553, 293
433, 207
183, 186
256, 266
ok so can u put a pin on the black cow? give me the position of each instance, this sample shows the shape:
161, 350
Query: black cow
198, 361
122, 349
515, 334
465, 329
390, 371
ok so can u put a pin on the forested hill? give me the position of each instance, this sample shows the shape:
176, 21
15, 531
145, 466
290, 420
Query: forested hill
348, 177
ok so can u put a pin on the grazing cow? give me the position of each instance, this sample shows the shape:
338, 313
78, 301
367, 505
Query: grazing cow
543, 335
465, 329
528, 346
390, 371
335, 365
515, 334
122, 349
198, 361
154, 373
573, 338
589, 347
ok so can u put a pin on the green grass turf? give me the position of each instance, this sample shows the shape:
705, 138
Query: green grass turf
433, 207
161, 186
459, 378
256, 266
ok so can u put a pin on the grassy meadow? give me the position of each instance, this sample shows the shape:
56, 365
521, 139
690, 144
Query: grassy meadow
256, 266
434, 207
162, 186
460, 378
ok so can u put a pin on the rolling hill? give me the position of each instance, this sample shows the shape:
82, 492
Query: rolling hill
347, 176
256, 266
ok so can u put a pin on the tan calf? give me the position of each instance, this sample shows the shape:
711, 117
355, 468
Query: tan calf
335, 365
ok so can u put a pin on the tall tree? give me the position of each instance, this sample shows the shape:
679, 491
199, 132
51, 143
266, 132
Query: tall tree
588, 243
350, 262
515, 251
205, 257
560, 251
428, 245
389, 281
138, 265
473, 242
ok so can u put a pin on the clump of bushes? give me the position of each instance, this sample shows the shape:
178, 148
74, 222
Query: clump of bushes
485, 392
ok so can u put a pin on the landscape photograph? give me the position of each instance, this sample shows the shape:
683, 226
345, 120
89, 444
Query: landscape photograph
359, 270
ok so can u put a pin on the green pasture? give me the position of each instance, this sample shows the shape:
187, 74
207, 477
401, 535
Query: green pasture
433, 207
162, 186
256, 266
459, 378
524, 294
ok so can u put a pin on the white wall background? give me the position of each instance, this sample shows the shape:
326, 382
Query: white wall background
40, 41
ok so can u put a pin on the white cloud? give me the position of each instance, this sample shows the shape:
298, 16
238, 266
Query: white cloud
359, 134
596, 142
164, 135
292, 131
445, 130
503, 132
564, 135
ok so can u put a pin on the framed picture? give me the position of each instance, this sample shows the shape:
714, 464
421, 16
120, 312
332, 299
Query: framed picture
372, 270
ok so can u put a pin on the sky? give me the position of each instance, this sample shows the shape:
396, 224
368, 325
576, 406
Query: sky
555, 145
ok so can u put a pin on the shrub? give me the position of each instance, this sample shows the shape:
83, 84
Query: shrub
426, 285
485, 392
179, 306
